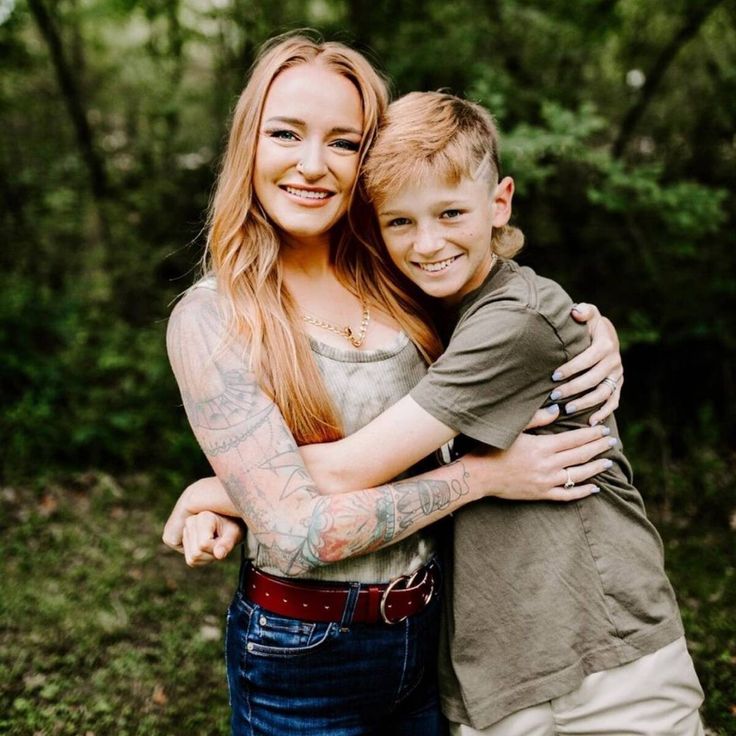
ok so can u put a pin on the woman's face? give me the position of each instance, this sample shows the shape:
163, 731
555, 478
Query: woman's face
307, 154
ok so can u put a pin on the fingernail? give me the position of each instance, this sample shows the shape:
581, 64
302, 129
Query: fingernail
596, 489
570, 408
575, 308
605, 431
594, 422
557, 376
552, 409
556, 395
607, 464
612, 441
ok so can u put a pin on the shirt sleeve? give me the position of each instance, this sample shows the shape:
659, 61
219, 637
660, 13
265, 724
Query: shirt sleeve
496, 372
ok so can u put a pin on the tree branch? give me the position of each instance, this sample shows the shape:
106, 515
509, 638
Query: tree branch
72, 98
654, 77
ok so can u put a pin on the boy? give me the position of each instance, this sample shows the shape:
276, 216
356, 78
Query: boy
560, 619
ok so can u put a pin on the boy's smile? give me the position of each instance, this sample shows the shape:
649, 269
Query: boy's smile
439, 234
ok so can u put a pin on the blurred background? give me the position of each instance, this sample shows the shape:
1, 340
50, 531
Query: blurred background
618, 120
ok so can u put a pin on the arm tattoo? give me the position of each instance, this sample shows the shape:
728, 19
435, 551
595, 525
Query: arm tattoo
422, 497
243, 433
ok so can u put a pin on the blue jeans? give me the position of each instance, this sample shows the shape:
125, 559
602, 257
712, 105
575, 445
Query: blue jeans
289, 677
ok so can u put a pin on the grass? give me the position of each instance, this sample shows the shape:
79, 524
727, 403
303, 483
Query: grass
105, 631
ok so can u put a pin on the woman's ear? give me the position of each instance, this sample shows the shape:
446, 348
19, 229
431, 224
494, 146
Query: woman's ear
502, 202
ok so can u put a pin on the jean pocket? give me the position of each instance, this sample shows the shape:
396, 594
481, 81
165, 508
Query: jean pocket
278, 636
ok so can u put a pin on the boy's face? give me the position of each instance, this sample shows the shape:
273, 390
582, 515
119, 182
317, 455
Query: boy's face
439, 234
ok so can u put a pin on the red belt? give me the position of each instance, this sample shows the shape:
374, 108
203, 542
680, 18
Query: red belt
325, 602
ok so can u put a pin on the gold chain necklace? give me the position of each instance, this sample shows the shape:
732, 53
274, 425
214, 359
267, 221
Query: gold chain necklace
346, 332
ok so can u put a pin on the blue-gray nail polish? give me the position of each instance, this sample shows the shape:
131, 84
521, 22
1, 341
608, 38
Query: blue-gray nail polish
607, 464
612, 441
556, 395
552, 409
557, 376
605, 431
570, 408
596, 489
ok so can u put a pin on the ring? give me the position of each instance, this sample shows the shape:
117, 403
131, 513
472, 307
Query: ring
611, 383
569, 483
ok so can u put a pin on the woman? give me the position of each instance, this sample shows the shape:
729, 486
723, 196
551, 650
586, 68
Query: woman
262, 360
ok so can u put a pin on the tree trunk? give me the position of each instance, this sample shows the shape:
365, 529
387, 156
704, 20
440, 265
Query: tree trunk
654, 77
72, 99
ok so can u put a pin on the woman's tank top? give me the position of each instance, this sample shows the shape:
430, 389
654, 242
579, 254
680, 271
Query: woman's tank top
362, 383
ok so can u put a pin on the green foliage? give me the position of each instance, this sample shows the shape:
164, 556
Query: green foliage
116, 634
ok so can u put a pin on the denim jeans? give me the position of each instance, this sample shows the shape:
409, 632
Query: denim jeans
289, 677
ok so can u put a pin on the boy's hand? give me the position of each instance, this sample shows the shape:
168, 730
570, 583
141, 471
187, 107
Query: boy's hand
208, 537
195, 498
604, 370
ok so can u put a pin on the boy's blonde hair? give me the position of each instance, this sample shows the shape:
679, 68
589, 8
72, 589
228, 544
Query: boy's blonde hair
431, 136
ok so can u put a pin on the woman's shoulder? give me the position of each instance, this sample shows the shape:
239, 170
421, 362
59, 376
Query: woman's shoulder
199, 310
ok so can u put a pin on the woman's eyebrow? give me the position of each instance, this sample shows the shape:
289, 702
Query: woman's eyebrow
298, 123
342, 130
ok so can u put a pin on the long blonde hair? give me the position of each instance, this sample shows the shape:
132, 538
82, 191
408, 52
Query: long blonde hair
243, 248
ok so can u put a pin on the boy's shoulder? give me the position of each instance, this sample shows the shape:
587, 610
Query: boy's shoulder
517, 288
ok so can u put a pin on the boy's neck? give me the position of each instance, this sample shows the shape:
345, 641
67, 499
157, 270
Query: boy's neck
453, 300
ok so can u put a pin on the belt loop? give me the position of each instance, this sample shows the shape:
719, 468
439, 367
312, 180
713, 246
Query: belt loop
350, 603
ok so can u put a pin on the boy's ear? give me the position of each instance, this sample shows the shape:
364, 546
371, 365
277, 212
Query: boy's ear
502, 202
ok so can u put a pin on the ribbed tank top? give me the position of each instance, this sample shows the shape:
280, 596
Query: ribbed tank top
362, 384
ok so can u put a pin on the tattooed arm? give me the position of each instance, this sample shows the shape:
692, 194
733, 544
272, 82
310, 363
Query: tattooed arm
264, 479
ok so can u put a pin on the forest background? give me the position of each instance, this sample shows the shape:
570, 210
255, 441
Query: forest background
619, 130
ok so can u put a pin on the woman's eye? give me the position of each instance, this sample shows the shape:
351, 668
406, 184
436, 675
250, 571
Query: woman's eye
284, 135
346, 145
451, 214
398, 222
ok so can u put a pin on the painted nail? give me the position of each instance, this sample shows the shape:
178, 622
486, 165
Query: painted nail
605, 431
552, 409
556, 395
570, 408
557, 376
607, 464
612, 441
595, 489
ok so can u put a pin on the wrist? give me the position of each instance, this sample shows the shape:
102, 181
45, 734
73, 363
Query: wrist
471, 472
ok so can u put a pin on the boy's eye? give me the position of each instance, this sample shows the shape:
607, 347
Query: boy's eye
398, 222
346, 145
282, 134
451, 214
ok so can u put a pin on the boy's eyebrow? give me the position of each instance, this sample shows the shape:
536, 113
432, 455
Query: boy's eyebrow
298, 123
444, 204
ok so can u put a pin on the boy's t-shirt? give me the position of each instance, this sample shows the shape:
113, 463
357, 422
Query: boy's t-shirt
540, 595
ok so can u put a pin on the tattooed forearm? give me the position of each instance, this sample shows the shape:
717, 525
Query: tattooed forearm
252, 451
417, 498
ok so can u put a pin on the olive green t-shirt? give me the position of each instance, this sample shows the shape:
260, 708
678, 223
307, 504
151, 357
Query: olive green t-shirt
540, 594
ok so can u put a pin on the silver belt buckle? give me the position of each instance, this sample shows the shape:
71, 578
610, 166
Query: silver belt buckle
410, 580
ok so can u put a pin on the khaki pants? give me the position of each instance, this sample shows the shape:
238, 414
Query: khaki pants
657, 695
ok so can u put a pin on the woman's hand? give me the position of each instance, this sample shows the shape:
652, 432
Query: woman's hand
208, 537
604, 371
538, 467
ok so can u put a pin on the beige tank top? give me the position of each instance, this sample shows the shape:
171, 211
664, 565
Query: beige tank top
362, 384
